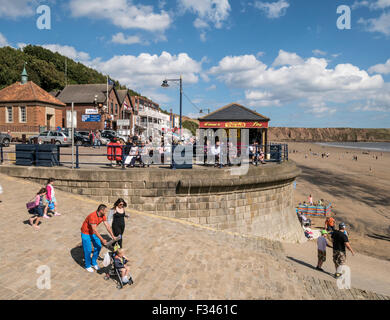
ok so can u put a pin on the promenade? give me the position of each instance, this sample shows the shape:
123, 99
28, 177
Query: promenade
169, 258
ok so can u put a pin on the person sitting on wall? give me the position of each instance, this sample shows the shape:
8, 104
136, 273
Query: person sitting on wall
216, 152
261, 155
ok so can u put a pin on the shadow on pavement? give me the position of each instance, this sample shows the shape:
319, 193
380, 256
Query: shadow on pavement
77, 253
308, 265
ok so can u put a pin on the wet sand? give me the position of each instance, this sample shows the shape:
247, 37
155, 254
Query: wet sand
358, 190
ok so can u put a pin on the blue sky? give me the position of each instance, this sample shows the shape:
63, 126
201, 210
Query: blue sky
285, 59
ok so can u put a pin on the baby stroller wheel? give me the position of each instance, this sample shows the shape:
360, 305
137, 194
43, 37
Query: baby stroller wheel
118, 286
106, 277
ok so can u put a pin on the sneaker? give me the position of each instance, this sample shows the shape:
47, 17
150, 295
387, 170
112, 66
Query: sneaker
46, 216
57, 214
96, 267
89, 269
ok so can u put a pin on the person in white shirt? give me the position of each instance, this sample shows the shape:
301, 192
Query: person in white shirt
216, 151
322, 243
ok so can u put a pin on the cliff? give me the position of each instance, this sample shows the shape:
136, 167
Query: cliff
328, 134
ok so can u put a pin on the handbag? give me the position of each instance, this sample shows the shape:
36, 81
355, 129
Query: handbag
31, 204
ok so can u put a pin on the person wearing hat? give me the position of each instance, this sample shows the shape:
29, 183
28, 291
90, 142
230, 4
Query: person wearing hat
340, 241
322, 243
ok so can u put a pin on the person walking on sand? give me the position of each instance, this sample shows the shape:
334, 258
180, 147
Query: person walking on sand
322, 243
50, 195
39, 209
310, 200
340, 241
90, 235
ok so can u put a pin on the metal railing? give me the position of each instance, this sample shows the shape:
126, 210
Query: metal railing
271, 152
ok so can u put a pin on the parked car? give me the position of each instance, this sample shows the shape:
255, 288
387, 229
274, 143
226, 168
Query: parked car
45, 137
110, 134
80, 140
5, 139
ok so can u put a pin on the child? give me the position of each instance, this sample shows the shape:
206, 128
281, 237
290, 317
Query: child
39, 210
321, 249
120, 262
51, 196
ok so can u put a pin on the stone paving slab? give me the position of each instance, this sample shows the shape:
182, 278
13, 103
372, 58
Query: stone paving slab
169, 259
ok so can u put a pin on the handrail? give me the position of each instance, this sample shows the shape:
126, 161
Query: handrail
272, 153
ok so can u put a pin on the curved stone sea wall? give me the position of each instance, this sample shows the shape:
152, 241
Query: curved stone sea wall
259, 203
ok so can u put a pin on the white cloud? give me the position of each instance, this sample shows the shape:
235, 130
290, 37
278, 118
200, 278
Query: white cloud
273, 9
17, 8
380, 24
212, 87
379, 4
148, 71
318, 52
294, 79
122, 13
68, 51
287, 58
121, 39
208, 11
3, 41
381, 68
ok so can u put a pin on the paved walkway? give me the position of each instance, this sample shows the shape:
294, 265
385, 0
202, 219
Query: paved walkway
169, 259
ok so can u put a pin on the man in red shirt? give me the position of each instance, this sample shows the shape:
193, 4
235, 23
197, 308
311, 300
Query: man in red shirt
89, 234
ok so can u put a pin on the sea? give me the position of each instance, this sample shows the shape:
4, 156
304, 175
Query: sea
368, 146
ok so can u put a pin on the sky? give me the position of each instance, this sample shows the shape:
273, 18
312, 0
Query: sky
298, 62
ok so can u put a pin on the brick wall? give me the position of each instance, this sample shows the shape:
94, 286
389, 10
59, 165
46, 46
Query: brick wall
258, 204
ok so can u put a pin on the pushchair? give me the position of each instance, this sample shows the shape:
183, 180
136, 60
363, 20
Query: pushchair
111, 270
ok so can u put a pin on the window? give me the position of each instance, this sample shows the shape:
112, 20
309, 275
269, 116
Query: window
23, 114
112, 108
116, 108
9, 115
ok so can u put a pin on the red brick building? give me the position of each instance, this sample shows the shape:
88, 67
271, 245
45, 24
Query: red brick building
25, 107
126, 112
90, 105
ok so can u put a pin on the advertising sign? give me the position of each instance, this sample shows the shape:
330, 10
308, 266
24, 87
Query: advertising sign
232, 124
91, 118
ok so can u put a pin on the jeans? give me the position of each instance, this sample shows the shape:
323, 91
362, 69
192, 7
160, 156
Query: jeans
87, 247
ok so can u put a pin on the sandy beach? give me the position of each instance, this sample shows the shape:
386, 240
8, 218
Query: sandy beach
358, 190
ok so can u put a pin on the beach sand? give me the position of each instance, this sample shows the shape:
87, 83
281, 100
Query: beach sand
358, 190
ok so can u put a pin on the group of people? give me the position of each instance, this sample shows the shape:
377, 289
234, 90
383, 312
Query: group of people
114, 222
43, 203
94, 138
340, 241
130, 153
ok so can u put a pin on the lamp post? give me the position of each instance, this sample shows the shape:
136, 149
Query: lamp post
166, 85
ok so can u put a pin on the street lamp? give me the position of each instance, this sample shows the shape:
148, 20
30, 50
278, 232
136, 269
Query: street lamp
166, 85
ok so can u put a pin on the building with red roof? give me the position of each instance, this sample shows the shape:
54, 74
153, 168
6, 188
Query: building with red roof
25, 107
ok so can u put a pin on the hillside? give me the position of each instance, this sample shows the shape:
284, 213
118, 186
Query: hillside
328, 134
46, 69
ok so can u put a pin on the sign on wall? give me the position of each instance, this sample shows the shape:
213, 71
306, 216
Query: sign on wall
91, 118
91, 111
232, 124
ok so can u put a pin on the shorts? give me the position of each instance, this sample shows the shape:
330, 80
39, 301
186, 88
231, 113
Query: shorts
36, 211
53, 199
322, 255
339, 257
